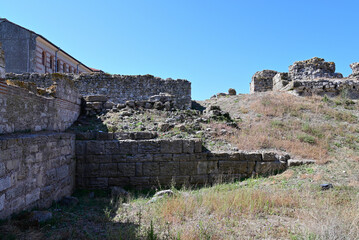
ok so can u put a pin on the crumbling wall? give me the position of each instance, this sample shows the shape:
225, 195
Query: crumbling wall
35, 169
355, 69
2, 63
120, 88
262, 81
148, 163
23, 107
313, 68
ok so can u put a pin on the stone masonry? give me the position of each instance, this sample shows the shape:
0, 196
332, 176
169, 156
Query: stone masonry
119, 88
310, 77
149, 163
35, 169
262, 81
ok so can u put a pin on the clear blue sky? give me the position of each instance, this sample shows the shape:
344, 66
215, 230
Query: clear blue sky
214, 44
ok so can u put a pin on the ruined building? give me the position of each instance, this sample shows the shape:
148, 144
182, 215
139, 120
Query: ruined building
27, 51
308, 77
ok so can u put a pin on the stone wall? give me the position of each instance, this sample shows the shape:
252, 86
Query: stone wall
262, 81
2, 63
120, 88
313, 68
23, 108
329, 87
35, 169
148, 163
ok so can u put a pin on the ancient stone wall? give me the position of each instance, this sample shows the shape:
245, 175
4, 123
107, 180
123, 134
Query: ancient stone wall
120, 88
330, 87
35, 169
23, 107
2, 63
160, 162
262, 81
313, 68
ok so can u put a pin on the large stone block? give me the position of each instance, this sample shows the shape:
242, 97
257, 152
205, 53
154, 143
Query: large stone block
109, 170
188, 146
32, 196
119, 181
5, 183
233, 167
126, 169
140, 158
148, 146
169, 168
171, 146
95, 147
151, 168
187, 168
202, 168
270, 168
128, 147
165, 157
2, 202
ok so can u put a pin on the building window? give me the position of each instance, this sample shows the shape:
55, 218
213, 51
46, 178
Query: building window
51, 62
43, 60
64, 67
58, 66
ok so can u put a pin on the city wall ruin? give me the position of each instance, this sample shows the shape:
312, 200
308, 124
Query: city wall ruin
309, 77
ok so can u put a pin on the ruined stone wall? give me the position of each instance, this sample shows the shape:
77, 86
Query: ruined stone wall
262, 81
120, 88
35, 169
313, 68
148, 163
22, 108
330, 87
2, 63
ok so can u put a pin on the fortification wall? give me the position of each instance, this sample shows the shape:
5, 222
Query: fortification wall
120, 88
35, 169
22, 108
262, 81
329, 87
148, 163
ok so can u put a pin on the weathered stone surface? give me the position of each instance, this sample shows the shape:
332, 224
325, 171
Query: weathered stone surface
171, 146
2, 63
269, 168
313, 68
262, 81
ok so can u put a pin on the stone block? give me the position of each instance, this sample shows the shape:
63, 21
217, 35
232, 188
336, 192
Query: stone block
126, 169
253, 157
119, 158
171, 146
197, 146
188, 146
32, 196
104, 136
128, 147
139, 182
212, 167
182, 157
5, 183
202, 168
233, 167
148, 146
91, 169
181, 180
80, 148
269, 168
62, 172
269, 157
187, 168
140, 158
112, 147
165, 157
108, 170
151, 168
95, 147
169, 168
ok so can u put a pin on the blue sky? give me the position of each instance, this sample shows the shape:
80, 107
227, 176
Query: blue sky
214, 44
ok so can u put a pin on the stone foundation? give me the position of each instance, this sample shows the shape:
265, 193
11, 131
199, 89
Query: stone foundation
35, 169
